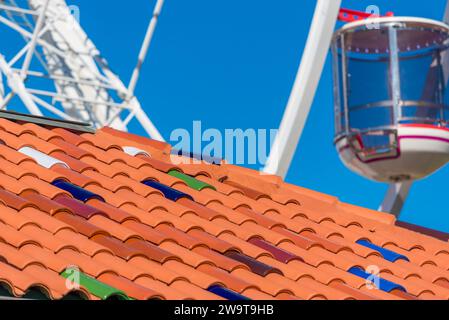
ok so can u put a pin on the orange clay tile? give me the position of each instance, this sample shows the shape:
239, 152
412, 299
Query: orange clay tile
178, 236
44, 220
109, 196
73, 163
113, 213
148, 233
115, 229
69, 137
153, 252
14, 128
254, 294
46, 257
13, 185
220, 260
39, 144
134, 290
131, 137
104, 181
70, 149
16, 258
185, 225
117, 247
134, 162
267, 286
97, 153
53, 280
40, 132
85, 263
194, 291
81, 243
157, 164
286, 297
12, 155
80, 225
43, 203
196, 277
19, 281
167, 292
157, 270
200, 210
147, 219
99, 141
151, 247
41, 173
13, 201
12, 141
211, 241
232, 282
13, 170
189, 257
42, 187
126, 268
15, 238
99, 166
135, 186
74, 177
11, 218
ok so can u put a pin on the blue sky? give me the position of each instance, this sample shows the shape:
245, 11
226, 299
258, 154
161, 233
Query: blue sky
231, 64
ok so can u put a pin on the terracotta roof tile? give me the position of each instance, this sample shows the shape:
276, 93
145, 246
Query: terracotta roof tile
167, 292
42, 187
145, 231
117, 247
133, 290
158, 271
211, 241
43, 203
126, 269
39, 144
141, 140
220, 260
178, 236
11, 200
80, 225
12, 127
46, 257
231, 282
44, 220
73, 163
68, 136
194, 292
153, 252
250, 233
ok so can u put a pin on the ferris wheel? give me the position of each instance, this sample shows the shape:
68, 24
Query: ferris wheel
391, 93
57, 70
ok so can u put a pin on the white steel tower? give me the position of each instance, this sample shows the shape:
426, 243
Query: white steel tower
60, 70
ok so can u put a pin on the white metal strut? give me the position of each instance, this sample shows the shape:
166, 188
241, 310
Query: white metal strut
304, 89
59, 51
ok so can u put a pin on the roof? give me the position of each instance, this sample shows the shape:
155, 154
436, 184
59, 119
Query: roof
111, 215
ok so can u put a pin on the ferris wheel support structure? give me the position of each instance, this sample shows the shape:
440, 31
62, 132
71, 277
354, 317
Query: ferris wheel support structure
58, 50
304, 88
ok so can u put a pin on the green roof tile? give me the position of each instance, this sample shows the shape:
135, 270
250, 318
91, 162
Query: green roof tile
95, 287
191, 182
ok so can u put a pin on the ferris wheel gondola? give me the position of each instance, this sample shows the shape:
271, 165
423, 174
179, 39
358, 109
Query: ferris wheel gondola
391, 98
